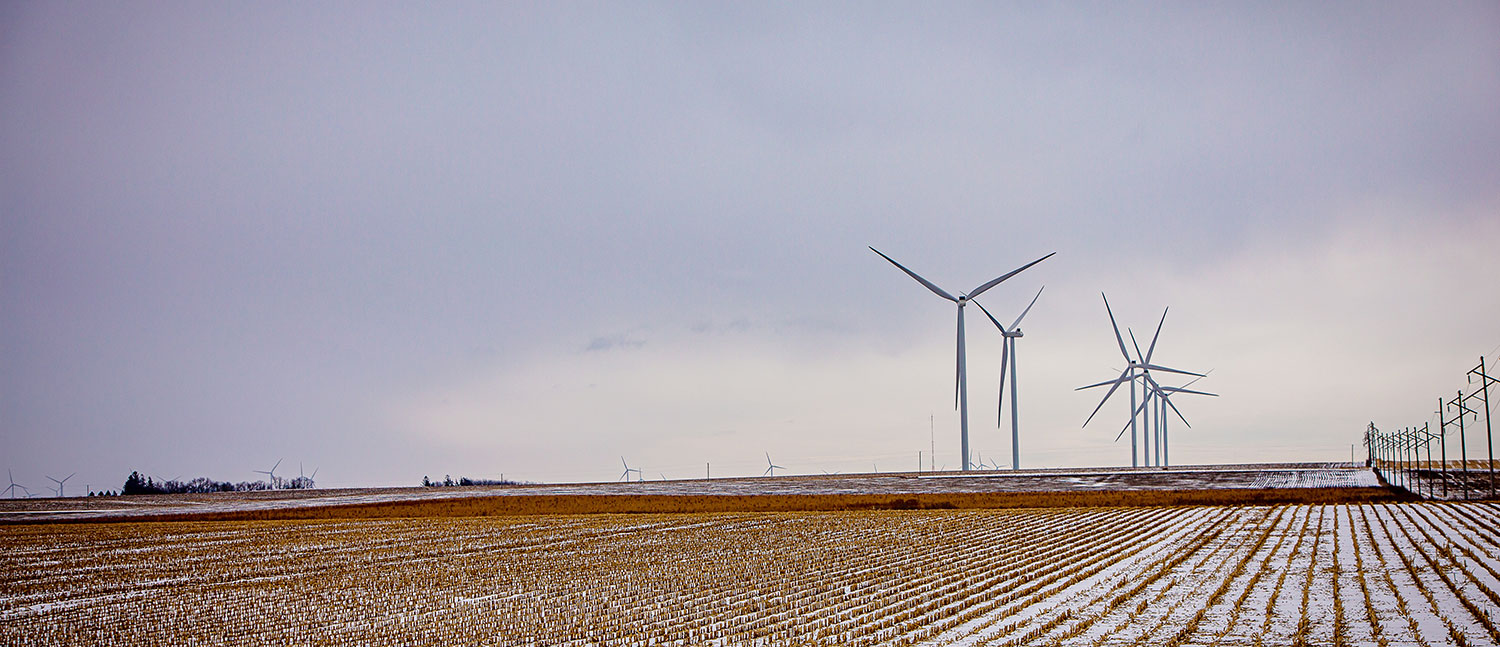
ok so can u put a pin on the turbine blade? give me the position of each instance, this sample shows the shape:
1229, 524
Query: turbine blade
1106, 382
935, 289
1179, 413
1138, 411
980, 290
1152, 349
1112, 390
1017, 322
1118, 339
1172, 370
1004, 360
1134, 343
987, 314
1189, 391
278, 464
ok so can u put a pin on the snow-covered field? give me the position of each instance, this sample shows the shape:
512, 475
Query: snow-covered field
1374, 574
1193, 477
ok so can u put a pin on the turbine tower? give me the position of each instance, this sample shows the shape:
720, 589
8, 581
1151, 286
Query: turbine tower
1008, 355
961, 391
1134, 369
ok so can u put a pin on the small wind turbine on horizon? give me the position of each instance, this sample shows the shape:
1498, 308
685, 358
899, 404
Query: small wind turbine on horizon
1008, 355
11, 491
61, 483
628, 469
271, 473
1135, 369
771, 467
305, 481
961, 390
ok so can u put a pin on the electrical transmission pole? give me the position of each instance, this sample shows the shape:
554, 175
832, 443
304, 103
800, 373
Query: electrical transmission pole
1485, 380
1458, 403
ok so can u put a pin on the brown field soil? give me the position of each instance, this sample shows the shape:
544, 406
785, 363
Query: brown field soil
575, 504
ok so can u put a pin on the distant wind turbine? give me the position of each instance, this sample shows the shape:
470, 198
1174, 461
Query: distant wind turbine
771, 467
11, 491
1161, 397
61, 483
628, 469
1135, 369
961, 390
271, 473
1008, 355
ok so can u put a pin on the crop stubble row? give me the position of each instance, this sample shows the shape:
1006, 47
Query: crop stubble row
1371, 574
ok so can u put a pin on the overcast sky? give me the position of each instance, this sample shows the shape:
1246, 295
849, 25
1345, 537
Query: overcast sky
395, 239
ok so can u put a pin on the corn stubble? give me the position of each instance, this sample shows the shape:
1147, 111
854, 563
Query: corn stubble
1345, 574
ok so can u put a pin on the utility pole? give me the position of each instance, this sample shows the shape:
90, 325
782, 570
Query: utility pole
1443, 428
1458, 403
1485, 380
1427, 443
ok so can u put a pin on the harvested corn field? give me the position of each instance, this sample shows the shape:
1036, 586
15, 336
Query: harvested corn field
1376, 574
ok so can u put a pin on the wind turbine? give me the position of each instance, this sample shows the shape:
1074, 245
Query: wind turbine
1165, 394
1008, 355
1157, 433
305, 481
271, 473
60, 483
961, 391
628, 469
771, 467
1153, 410
1134, 369
11, 491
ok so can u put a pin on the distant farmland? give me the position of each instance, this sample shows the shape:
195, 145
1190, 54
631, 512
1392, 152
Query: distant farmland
1356, 574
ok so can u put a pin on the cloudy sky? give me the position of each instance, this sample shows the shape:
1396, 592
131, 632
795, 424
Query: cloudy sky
393, 239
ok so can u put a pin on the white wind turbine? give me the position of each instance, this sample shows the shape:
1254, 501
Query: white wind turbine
1161, 397
11, 491
1008, 355
60, 483
1134, 369
961, 395
271, 473
1166, 393
771, 467
628, 469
